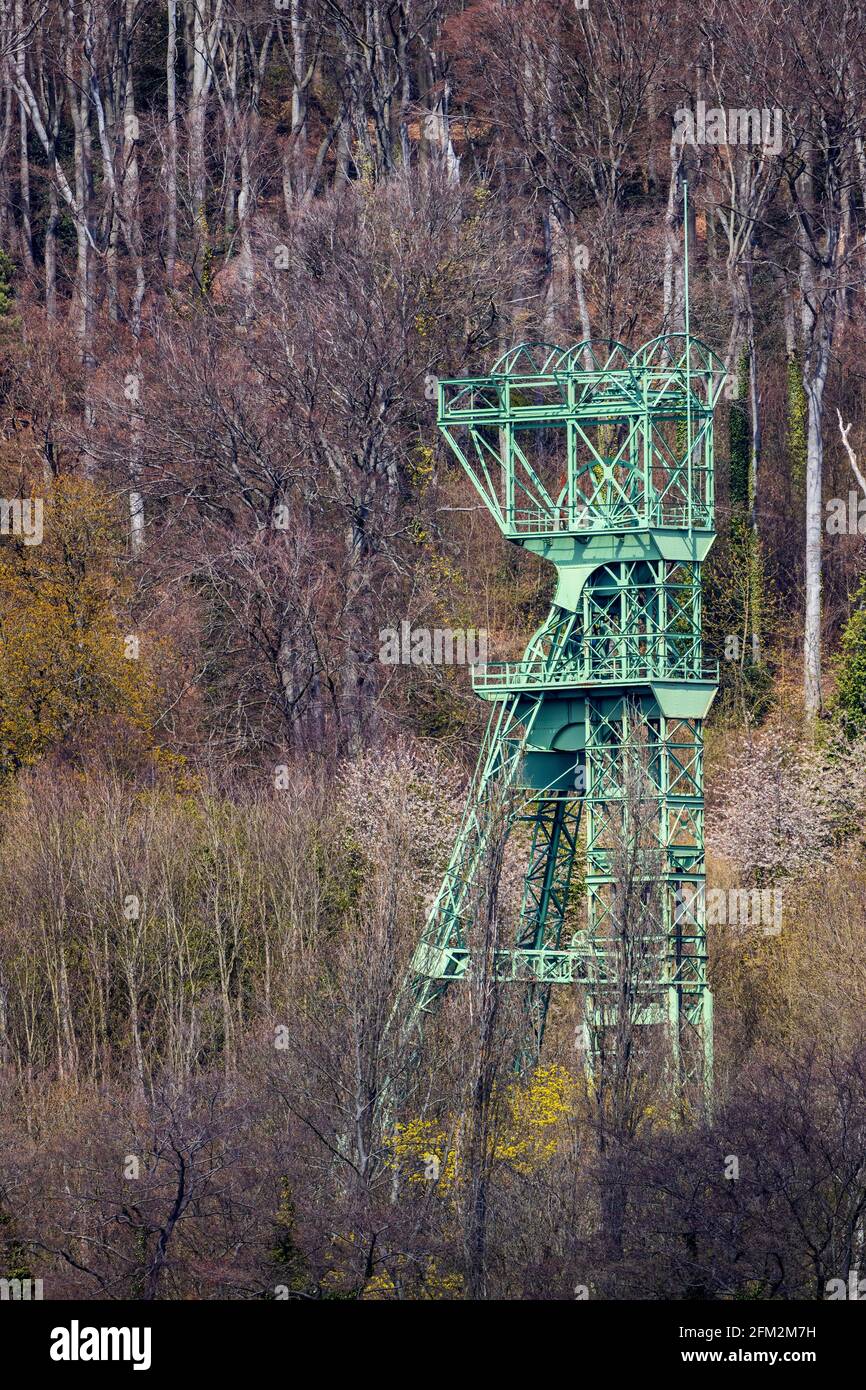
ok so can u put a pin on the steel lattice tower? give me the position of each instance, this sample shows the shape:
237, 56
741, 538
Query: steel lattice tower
600, 460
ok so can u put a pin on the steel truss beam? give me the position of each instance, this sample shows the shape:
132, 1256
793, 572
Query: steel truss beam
600, 460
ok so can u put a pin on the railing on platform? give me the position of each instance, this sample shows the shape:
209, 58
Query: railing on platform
594, 667
590, 518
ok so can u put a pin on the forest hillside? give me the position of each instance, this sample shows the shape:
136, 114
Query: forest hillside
243, 585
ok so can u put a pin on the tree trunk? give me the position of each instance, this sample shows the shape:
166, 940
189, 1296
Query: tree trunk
51, 254
26, 230
812, 627
171, 145
672, 307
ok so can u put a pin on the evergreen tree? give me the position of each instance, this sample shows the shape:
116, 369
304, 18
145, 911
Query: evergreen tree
7, 294
796, 432
850, 701
738, 435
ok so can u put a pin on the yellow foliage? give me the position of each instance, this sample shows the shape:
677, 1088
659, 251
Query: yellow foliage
64, 667
526, 1139
420, 467
430, 1285
423, 1144
427, 1283
534, 1109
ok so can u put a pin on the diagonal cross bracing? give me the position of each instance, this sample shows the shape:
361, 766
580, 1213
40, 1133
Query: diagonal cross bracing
601, 461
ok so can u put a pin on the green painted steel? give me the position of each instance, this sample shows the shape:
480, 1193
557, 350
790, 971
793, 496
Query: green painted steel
600, 460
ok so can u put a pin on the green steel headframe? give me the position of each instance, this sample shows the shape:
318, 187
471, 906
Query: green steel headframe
599, 459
